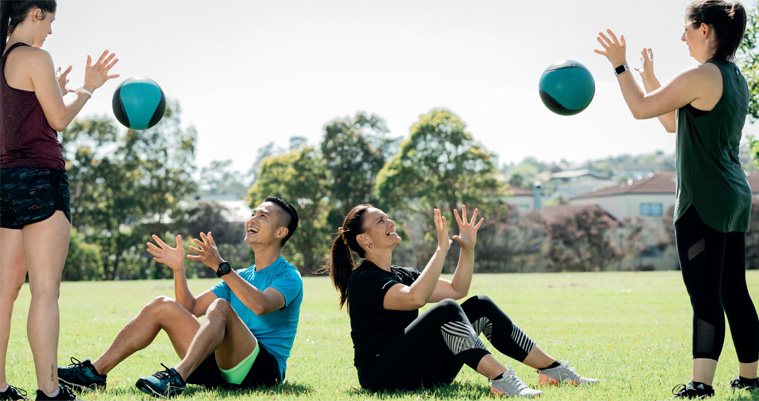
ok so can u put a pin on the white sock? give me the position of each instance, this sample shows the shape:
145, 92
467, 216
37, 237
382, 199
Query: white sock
7, 386
54, 393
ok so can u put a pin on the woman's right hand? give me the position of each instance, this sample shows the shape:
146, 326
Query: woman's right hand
647, 63
443, 242
95, 75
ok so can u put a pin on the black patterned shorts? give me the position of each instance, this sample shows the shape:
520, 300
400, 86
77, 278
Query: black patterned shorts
31, 194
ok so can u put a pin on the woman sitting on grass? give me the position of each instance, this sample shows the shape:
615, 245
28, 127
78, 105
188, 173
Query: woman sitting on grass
395, 347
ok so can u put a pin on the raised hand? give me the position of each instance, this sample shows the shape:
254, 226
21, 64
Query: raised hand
467, 236
614, 50
162, 253
207, 253
647, 62
96, 74
63, 80
443, 242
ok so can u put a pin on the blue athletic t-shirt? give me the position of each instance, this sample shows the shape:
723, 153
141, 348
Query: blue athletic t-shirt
274, 331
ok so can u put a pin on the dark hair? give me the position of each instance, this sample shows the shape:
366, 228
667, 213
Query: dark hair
728, 20
340, 264
12, 12
292, 222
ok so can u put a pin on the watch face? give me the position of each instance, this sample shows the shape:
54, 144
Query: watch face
224, 268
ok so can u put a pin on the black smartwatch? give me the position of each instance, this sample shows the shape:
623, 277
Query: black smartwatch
622, 68
224, 268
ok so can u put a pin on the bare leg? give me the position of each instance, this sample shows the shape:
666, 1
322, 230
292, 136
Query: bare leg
538, 359
703, 370
161, 313
748, 370
490, 367
222, 332
12, 274
45, 245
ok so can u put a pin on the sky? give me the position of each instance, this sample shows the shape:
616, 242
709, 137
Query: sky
250, 72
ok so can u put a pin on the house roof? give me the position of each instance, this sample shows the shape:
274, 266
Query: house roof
519, 191
555, 214
659, 183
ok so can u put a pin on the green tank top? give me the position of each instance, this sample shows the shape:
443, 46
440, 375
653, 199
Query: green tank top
709, 173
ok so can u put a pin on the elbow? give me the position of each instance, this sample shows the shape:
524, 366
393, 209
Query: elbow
418, 302
638, 115
57, 124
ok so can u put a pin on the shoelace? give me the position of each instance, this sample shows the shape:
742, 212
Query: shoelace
516, 382
571, 372
164, 374
19, 391
75, 363
680, 389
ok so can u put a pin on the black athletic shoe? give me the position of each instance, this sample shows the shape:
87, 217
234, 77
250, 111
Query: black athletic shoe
692, 391
739, 384
13, 393
64, 395
81, 375
166, 383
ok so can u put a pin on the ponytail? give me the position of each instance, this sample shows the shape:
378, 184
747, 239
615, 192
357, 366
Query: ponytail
728, 20
340, 264
13, 12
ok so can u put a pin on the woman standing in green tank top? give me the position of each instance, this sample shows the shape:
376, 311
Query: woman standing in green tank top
707, 106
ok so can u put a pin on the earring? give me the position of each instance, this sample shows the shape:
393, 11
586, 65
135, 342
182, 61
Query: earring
370, 246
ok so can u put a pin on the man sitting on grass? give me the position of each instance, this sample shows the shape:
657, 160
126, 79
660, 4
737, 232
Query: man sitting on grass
251, 315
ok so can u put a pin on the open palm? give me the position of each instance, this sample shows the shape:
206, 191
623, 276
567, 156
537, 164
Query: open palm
163, 253
467, 236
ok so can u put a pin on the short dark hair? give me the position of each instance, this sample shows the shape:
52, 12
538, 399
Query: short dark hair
292, 222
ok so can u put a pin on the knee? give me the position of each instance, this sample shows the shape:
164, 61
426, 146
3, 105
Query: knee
448, 309
220, 308
478, 303
161, 305
44, 291
10, 290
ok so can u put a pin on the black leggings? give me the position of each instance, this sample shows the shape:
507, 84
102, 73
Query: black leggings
440, 341
713, 265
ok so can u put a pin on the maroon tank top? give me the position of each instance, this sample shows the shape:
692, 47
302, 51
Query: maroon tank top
26, 138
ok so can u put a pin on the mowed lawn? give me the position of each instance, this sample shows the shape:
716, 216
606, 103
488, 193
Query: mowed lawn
631, 330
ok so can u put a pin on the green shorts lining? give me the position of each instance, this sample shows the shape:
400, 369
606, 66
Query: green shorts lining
237, 374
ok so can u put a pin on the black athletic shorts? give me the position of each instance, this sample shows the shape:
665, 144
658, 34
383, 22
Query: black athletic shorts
264, 372
31, 194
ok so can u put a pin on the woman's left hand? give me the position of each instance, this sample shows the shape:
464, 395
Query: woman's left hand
614, 50
63, 80
467, 236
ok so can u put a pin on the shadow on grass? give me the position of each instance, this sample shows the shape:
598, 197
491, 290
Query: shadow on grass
456, 390
286, 388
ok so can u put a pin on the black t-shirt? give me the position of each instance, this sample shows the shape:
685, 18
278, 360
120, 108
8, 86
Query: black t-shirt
373, 327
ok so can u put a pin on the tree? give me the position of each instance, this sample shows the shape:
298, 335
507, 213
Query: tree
220, 179
126, 187
354, 150
440, 165
301, 178
580, 241
748, 59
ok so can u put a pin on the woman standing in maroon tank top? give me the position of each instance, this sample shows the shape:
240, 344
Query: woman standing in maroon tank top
34, 196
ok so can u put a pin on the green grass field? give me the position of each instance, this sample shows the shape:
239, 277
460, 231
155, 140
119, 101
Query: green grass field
631, 330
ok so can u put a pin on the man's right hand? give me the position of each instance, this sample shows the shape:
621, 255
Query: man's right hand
172, 257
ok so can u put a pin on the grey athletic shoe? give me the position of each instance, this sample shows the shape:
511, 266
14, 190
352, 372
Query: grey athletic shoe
562, 373
511, 386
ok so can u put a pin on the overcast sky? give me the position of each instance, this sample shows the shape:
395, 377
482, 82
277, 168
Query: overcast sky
248, 72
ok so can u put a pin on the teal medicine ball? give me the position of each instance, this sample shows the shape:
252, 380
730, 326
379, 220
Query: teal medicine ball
138, 103
567, 87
